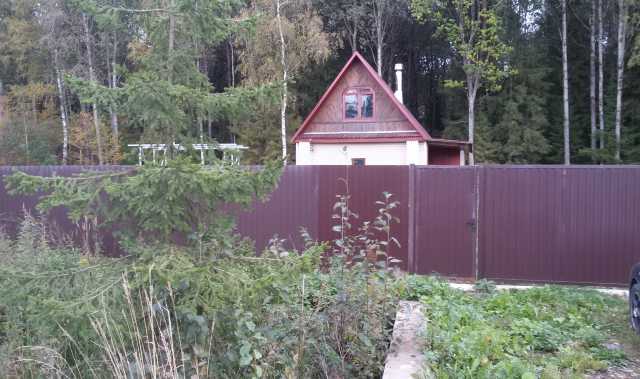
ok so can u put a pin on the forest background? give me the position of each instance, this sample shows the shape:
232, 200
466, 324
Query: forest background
544, 81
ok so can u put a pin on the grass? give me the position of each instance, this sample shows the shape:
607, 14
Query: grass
545, 332
172, 311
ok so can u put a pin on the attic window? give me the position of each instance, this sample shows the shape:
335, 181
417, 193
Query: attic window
358, 103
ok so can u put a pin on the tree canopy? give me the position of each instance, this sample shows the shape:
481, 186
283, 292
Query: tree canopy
81, 79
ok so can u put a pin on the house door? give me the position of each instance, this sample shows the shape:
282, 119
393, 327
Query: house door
445, 221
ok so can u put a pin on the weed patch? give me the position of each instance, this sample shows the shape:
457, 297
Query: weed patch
550, 332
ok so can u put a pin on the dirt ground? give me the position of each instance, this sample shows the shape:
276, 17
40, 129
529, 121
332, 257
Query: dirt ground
626, 370
629, 342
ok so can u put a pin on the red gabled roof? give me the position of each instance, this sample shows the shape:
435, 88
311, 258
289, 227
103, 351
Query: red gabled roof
423, 135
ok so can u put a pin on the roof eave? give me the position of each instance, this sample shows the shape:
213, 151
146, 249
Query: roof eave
361, 140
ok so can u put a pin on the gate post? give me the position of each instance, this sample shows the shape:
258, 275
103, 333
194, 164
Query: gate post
476, 217
411, 235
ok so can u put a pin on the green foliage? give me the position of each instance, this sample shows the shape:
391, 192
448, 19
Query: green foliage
414, 287
475, 37
153, 201
211, 309
224, 63
168, 111
41, 147
28, 134
280, 314
484, 286
47, 296
260, 131
556, 331
514, 126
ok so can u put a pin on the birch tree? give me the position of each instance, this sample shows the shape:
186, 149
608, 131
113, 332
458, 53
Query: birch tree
622, 20
285, 78
381, 16
92, 79
172, 39
55, 38
112, 45
601, 48
565, 86
63, 110
287, 38
592, 76
474, 34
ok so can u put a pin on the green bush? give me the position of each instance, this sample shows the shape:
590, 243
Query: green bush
47, 296
210, 308
172, 310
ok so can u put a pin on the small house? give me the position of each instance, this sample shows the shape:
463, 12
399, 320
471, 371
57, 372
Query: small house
359, 120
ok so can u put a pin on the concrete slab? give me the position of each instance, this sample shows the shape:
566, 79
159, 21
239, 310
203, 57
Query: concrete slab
405, 359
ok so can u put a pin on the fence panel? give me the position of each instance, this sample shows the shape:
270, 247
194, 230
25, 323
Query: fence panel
365, 185
578, 224
13, 208
293, 205
445, 221
557, 224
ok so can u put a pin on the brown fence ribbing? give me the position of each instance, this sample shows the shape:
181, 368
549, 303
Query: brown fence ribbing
12, 208
445, 221
574, 224
306, 195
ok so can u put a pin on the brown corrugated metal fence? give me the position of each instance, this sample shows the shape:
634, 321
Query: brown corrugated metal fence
444, 221
555, 224
577, 224
12, 208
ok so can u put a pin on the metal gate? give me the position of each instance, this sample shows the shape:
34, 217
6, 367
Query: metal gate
445, 221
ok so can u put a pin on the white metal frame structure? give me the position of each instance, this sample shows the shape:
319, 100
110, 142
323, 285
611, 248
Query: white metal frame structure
202, 147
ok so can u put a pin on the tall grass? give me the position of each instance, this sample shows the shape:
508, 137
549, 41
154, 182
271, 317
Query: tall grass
216, 310
147, 344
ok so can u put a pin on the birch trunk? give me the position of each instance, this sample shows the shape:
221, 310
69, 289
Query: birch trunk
114, 84
472, 121
283, 109
34, 112
63, 112
96, 119
354, 39
565, 85
592, 77
380, 41
620, 68
172, 38
26, 133
601, 74
379, 10
473, 82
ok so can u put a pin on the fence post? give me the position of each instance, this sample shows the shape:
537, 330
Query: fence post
411, 235
476, 216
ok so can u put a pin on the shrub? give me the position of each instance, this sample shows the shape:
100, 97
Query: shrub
210, 308
47, 294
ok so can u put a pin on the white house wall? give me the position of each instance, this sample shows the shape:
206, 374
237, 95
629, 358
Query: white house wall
402, 153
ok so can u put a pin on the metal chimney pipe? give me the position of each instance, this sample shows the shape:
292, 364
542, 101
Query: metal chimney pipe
398, 94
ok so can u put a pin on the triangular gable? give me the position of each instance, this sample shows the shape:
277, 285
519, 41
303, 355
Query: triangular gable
385, 87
